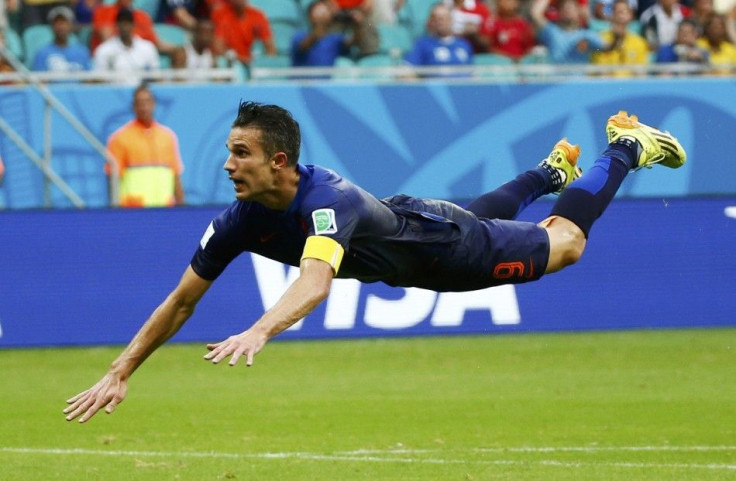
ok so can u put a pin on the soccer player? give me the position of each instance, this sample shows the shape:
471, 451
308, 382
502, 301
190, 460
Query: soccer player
311, 217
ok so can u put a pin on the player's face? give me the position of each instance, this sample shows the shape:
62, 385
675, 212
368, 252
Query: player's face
247, 166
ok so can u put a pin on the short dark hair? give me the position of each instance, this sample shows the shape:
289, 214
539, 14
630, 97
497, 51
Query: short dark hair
279, 131
124, 15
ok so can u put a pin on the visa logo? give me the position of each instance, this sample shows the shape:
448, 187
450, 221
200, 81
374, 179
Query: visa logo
445, 309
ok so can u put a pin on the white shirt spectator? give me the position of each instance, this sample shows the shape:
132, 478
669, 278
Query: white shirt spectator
113, 56
200, 61
659, 28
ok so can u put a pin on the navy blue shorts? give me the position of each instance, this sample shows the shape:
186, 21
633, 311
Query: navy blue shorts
493, 252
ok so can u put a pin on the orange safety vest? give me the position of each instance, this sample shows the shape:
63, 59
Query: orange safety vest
148, 164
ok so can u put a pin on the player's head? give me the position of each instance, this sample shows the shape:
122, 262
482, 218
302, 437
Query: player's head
279, 131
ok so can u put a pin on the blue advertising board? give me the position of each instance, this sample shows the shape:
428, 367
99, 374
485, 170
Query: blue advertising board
93, 277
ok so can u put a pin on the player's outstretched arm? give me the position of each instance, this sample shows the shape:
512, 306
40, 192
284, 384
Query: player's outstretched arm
311, 287
163, 323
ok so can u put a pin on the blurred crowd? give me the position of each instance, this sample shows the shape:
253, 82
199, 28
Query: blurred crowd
131, 37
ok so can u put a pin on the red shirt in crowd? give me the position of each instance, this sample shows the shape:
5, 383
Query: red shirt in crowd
105, 17
239, 32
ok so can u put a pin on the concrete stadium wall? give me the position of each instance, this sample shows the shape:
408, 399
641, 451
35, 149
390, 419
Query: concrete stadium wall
93, 276
428, 139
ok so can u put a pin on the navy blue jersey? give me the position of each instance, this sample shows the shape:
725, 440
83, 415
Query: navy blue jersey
402, 241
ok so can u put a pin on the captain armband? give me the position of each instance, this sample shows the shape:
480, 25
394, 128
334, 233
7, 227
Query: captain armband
324, 249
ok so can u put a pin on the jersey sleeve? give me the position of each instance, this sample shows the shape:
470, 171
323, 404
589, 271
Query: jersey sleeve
328, 212
219, 245
331, 222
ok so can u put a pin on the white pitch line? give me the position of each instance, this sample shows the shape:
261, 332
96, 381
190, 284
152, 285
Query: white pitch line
373, 458
551, 449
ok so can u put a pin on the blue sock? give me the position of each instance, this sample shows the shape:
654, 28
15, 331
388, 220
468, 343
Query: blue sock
586, 198
511, 198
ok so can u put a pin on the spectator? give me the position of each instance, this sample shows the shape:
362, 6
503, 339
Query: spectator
354, 16
701, 11
61, 55
469, 20
84, 10
685, 48
104, 23
35, 12
603, 9
553, 11
126, 53
237, 26
715, 41
319, 46
509, 33
566, 40
624, 46
731, 24
659, 22
184, 13
440, 47
149, 162
198, 53
5, 7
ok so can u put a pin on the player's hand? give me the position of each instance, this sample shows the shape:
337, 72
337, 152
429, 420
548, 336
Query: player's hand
248, 344
107, 393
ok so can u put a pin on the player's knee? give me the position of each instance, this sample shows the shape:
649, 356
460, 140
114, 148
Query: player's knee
567, 243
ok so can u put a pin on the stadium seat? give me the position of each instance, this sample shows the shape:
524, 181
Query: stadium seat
492, 59
271, 62
14, 43
36, 37
83, 35
419, 10
171, 33
341, 64
283, 32
598, 25
151, 7
394, 39
378, 60
287, 11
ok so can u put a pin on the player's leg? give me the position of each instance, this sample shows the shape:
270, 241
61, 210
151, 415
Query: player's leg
632, 145
552, 175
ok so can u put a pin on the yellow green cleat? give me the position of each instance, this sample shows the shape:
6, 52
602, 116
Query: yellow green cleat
657, 146
562, 165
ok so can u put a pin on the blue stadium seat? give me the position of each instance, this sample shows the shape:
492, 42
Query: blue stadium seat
420, 10
283, 32
272, 62
394, 39
377, 60
494, 59
171, 33
288, 11
36, 37
83, 35
14, 43
151, 7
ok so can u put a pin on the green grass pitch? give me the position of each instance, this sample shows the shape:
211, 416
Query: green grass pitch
644, 405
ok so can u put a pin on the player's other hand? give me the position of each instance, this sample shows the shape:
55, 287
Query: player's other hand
107, 393
248, 344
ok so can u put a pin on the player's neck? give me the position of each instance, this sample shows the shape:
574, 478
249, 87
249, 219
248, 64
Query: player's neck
284, 190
